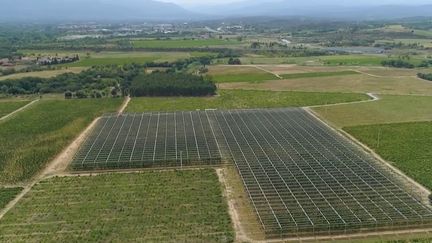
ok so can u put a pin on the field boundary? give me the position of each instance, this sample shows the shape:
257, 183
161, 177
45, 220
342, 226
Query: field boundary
422, 191
18, 110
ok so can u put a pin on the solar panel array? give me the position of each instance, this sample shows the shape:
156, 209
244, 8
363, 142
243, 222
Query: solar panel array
301, 176
304, 178
149, 140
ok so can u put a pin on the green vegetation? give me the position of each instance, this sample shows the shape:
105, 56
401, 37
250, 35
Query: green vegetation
7, 107
334, 60
242, 99
7, 195
183, 43
244, 77
353, 60
397, 64
33, 137
162, 206
425, 76
111, 61
408, 145
390, 109
42, 74
171, 84
99, 78
318, 74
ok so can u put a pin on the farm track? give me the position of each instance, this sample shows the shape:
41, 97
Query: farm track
18, 110
124, 105
267, 71
373, 98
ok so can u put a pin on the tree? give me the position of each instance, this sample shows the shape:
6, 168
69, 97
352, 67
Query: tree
81, 94
68, 95
234, 61
114, 92
205, 61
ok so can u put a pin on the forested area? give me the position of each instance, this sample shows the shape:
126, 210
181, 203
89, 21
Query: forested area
103, 79
171, 84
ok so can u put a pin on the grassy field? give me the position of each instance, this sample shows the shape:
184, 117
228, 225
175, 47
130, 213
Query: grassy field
408, 145
33, 137
43, 74
317, 74
163, 206
241, 99
250, 78
180, 43
121, 58
89, 59
7, 107
238, 73
7, 195
363, 83
390, 109
423, 42
336, 60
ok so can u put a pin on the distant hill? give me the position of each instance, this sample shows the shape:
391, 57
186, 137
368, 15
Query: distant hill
342, 9
85, 10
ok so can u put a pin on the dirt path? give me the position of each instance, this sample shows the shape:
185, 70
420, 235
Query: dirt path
240, 233
124, 105
19, 110
373, 98
267, 71
365, 73
56, 166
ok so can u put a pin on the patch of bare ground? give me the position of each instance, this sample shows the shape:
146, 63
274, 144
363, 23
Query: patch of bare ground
243, 216
124, 105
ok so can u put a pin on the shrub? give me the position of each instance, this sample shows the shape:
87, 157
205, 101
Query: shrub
425, 76
397, 64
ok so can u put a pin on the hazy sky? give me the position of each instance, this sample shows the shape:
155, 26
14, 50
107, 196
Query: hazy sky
343, 2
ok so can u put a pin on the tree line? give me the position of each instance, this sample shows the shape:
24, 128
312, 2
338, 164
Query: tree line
171, 84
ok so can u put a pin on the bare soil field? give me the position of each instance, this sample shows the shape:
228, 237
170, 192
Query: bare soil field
353, 83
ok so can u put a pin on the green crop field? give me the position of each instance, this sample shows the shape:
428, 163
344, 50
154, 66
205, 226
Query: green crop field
111, 61
162, 206
7, 107
122, 58
180, 43
317, 74
33, 137
408, 145
43, 74
241, 99
390, 109
7, 195
336, 60
251, 78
